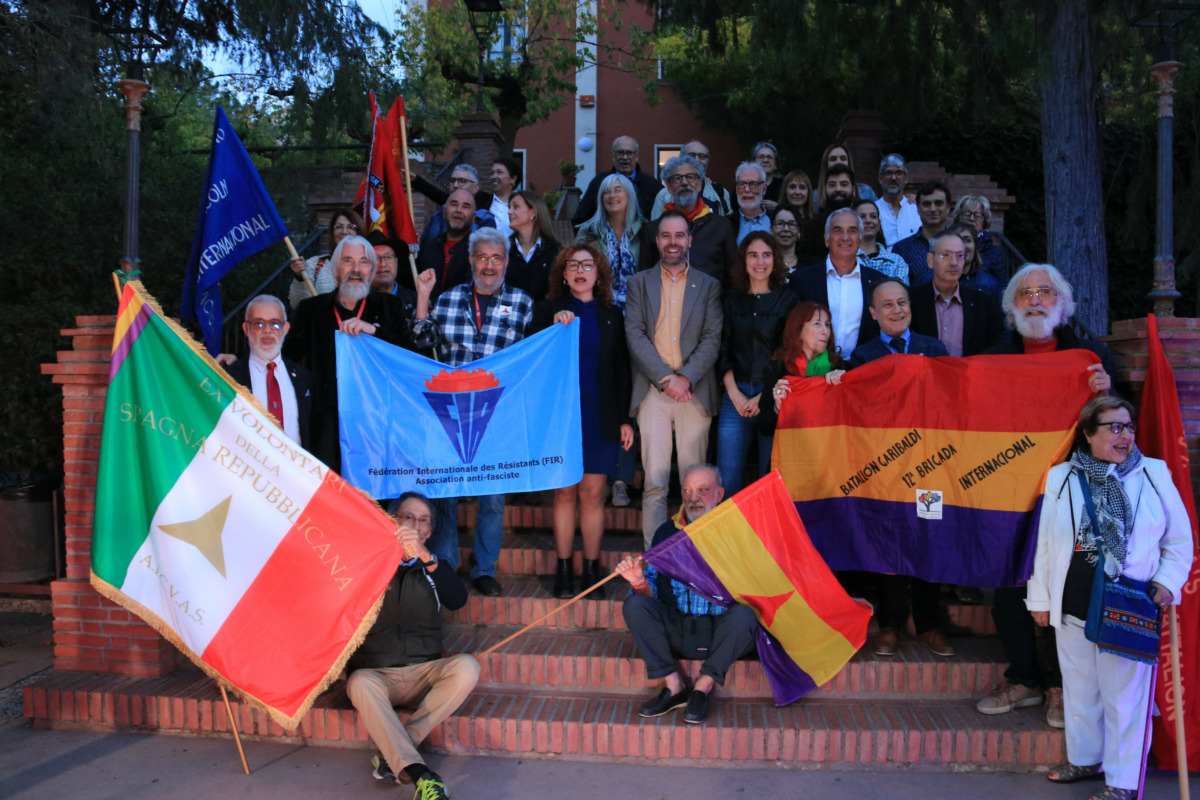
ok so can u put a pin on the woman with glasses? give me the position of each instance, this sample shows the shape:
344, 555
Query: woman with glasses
976, 211
872, 246
317, 269
534, 246
581, 290
755, 308
1108, 508
787, 229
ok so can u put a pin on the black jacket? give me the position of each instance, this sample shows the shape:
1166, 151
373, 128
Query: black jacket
752, 331
531, 277
1014, 344
809, 284
408, 629
983, 322
301, 385
433, 256
613, 372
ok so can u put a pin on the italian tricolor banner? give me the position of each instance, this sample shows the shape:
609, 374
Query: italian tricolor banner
253, 558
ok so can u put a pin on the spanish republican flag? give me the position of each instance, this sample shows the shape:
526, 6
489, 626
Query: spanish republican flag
752, 549
931, 467
382, 196
1160, 435
253, 558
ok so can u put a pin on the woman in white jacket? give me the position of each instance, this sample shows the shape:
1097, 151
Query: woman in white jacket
1145, 533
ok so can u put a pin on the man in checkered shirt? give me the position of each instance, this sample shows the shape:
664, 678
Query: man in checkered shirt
467, 323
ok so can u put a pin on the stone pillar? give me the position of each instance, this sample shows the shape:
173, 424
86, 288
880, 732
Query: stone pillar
1181, 342
479, 137
92, 634
862, 133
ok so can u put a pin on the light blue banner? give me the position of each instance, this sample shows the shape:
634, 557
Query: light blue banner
506, 423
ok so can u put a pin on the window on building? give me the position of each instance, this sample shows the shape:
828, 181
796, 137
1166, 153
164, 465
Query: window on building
662, 154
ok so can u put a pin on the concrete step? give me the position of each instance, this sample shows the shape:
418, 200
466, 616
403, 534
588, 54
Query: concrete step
812, 733
527, 597
535, 510
546, 660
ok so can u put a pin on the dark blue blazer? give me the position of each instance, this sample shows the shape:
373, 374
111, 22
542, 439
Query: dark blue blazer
301, 384
809, 283
918, 345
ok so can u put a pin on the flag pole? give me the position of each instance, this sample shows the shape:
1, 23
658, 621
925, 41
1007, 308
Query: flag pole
1180, 733
312, 290
412, 262
549, 614
233, 727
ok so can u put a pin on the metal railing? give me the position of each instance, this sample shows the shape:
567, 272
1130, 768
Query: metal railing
442, 176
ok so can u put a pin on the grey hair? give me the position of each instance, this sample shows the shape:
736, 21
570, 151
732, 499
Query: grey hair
942, 234
632, 210
336, 257
466, 168
1066, 296
636, 146
974, 200
893, 160
682, 160
487, 236
774, 150
838, 213
754, 165
701, 465
267, 298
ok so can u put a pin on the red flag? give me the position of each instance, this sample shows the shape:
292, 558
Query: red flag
382, 196
1160, 435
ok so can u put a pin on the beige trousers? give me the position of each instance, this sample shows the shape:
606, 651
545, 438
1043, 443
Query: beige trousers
660, 417
433, 690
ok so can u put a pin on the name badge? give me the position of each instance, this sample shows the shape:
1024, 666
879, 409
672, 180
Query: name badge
504, 311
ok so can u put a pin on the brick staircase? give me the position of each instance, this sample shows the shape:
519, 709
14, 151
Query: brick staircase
571, 688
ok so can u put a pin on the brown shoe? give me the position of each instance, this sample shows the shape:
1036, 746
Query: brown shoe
937, 643
885, 642
1008, 696
1055, 717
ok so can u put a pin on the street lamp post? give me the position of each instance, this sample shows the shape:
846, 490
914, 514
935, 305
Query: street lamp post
1162, 26
480, 12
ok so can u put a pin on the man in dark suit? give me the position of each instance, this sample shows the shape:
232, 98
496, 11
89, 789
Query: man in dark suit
673, 326
890, 308
966, 320
841, 283
281, 385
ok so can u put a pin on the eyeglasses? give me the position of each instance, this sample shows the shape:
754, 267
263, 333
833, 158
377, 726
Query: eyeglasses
740, 185
461, 181
1029, 294
971, 214
415, 521
581, 266
1118, 427
625, 153
677, 179
959, 257
786, 225
345, 227
495, 261
259, 324
387, 259
893, 173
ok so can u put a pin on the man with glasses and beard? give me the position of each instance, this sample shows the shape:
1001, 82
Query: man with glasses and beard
714, 194
355, 310
1038, 304
281, 385
714, 246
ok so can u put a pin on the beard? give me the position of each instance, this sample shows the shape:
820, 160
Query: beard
1036, 326
836, 202
353, 290
686, 197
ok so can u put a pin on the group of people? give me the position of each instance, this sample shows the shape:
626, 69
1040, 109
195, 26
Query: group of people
711, 305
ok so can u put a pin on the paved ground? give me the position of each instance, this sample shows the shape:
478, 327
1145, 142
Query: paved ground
40, 764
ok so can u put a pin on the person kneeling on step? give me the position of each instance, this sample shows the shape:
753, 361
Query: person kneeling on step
668, 621
400, 661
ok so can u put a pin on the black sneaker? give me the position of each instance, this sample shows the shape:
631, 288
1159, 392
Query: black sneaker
663, 702
697, 708
487, 586
431, 788
382, 772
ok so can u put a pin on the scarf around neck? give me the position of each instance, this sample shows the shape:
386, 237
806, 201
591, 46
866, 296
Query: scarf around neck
1112, 504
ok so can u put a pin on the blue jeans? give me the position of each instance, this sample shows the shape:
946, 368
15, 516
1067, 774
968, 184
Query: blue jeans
489, 527
626, 462
734, 434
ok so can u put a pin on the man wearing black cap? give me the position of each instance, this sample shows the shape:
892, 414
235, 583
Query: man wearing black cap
393, 256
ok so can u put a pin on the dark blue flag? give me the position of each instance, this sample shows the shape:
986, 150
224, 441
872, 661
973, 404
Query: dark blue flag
238, 219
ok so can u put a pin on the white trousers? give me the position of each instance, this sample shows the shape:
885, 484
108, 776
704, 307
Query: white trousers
1106, 698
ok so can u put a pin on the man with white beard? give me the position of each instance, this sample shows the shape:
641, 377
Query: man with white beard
281, 385
714, 245
1038, 304
355, 310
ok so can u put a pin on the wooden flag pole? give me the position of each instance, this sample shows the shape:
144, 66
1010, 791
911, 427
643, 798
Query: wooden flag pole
312, 290
549, 614
412, 262
117, 286
1180, 733
233, 724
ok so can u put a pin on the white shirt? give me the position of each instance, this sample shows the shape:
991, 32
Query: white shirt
846, 303
499, 210
897, 226
287, 393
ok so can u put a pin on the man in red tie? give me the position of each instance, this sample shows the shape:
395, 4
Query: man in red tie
282, 386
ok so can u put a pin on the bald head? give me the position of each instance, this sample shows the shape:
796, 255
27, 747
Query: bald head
460, 213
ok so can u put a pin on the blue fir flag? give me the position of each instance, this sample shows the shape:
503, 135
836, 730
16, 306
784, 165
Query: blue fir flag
506, 423
238, 219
